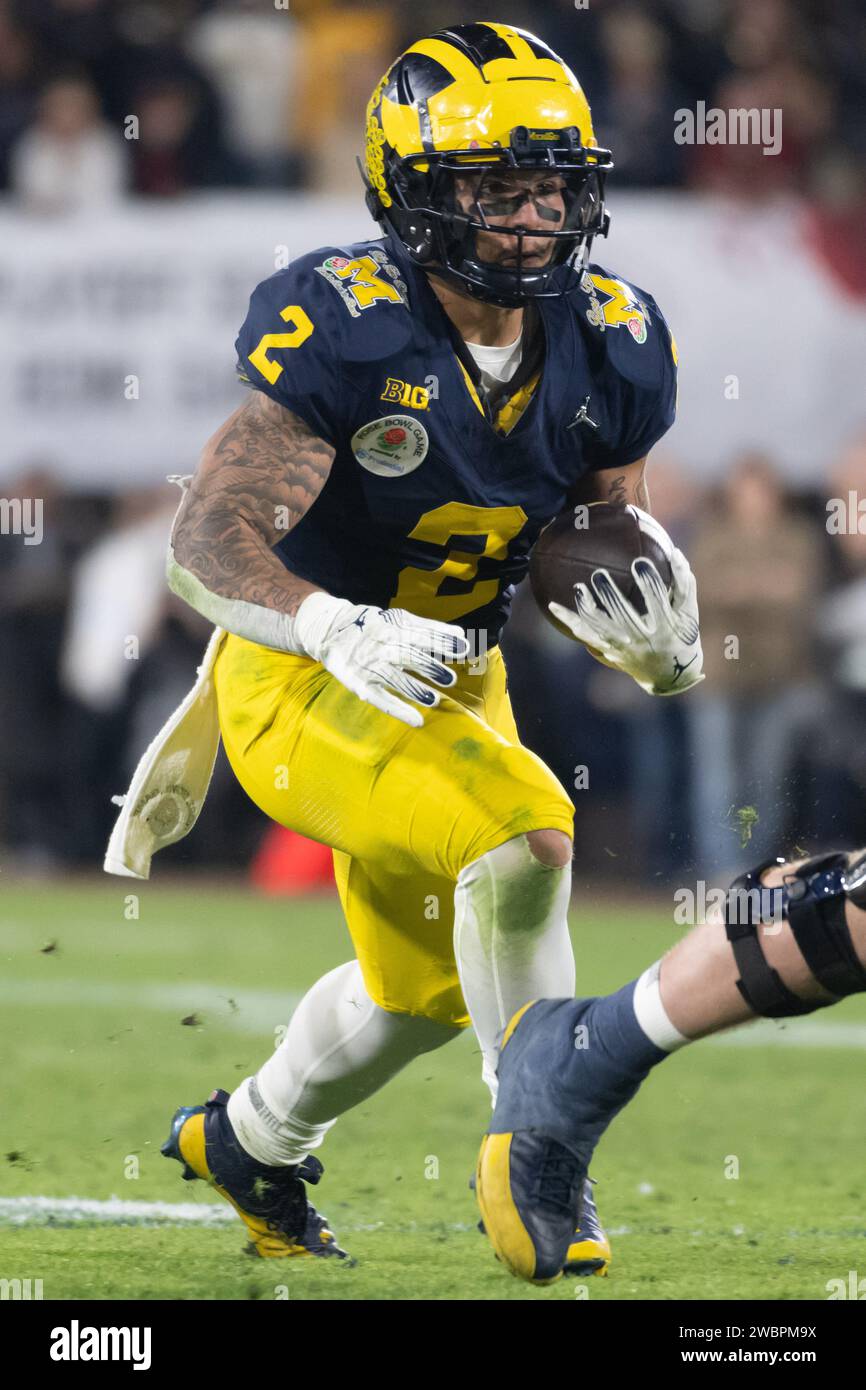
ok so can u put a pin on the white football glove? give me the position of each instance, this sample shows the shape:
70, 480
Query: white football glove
662, 650
376, 651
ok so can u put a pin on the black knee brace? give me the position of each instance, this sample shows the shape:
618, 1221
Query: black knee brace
812, 902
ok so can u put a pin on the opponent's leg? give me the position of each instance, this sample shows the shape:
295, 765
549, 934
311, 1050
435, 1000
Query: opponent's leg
339, 1049
794, 940
699, 982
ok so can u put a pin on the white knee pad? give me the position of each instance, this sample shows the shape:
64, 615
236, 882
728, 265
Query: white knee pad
511, 938
511, 893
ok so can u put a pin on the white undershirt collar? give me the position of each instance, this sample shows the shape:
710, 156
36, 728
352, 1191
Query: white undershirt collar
497, 364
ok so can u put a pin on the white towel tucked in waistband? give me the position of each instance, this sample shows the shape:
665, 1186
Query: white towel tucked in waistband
171, 781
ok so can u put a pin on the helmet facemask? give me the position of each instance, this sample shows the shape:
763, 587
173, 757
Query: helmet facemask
448, 209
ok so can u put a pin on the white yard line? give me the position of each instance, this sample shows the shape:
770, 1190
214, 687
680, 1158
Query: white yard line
85, 1211
59, 1212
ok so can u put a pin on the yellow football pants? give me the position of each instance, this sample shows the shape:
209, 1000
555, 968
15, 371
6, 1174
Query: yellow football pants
403, 809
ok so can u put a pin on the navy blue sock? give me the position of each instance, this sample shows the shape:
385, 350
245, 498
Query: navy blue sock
614, 1026
576, 1063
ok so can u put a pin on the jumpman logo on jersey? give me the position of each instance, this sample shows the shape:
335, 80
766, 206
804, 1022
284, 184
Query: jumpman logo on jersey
582, 417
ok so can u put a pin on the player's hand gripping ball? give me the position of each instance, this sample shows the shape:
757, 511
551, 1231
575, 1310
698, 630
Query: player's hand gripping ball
619, 585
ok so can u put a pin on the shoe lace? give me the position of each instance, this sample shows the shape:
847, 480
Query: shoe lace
558, 1179
290, 1211
287, 1211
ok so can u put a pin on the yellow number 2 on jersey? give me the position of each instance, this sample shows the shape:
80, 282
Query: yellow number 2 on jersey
303, 327
418, 589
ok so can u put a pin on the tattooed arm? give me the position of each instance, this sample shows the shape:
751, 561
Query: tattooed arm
614, 485
258, 475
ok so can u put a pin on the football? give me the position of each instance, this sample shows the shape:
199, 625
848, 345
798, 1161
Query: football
600, 535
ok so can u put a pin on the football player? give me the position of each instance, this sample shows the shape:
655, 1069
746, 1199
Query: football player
793, 940
422, 405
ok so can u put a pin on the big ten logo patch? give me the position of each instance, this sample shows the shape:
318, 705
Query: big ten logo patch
405, 394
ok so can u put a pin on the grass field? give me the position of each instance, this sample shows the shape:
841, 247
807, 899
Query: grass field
111, 1023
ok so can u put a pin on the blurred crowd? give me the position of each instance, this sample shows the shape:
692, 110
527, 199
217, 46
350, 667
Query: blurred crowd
159, 97
767, 755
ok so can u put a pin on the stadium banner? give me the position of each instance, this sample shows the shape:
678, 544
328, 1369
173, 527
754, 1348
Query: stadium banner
117, 330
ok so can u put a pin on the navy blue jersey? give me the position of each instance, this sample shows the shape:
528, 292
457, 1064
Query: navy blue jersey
436, 495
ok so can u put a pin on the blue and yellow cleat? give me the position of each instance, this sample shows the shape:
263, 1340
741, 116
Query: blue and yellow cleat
567, 1067
271, 1201
529, 1190
589, 1252
531, 1179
